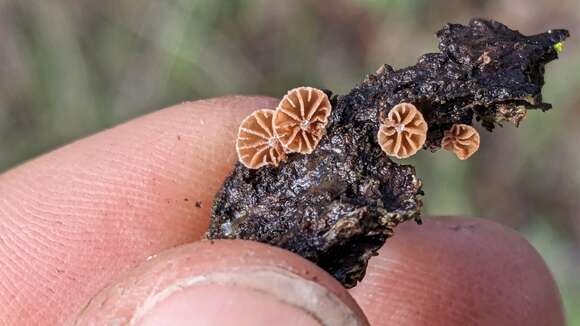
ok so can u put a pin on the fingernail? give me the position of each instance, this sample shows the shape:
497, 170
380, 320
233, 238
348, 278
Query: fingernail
264, 297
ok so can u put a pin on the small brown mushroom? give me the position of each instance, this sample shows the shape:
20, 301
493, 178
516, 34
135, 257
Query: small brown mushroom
257, 145
301, 118
461, 139
404, 131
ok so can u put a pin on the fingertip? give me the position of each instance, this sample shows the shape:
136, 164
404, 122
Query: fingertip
458, 271
106, 202
248, 282
213, 304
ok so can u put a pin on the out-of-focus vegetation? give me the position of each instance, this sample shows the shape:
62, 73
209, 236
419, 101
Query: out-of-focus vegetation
71, 68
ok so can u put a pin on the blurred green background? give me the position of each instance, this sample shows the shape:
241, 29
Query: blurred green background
71, 68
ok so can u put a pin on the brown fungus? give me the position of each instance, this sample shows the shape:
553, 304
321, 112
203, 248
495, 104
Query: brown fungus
461, 139
301, 118
257, 145
404, 131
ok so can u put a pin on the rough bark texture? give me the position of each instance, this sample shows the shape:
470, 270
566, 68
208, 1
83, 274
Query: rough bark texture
338, 205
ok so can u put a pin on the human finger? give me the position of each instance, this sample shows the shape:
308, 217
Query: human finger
458, 271
224, 282
75, 218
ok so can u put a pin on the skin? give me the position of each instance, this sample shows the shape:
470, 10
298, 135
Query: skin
107, 230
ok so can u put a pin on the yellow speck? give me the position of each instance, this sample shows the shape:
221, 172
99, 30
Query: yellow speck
559, 47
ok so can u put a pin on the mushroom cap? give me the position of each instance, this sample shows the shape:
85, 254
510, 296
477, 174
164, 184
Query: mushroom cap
301, 119
404, 131
257, 144
461, 139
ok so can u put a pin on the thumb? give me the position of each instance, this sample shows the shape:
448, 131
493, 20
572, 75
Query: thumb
225, 283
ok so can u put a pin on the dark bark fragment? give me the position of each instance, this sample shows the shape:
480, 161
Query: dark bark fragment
338, 205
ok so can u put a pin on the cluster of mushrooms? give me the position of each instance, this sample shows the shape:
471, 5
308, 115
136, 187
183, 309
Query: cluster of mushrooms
404, 131
298, 124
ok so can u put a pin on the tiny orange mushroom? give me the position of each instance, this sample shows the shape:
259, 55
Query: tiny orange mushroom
461, 139
301, 118
404, 131
257, 145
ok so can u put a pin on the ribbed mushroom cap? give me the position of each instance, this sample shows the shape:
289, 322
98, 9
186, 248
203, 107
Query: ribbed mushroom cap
257, 144
404, 131
301, 118
461, 139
